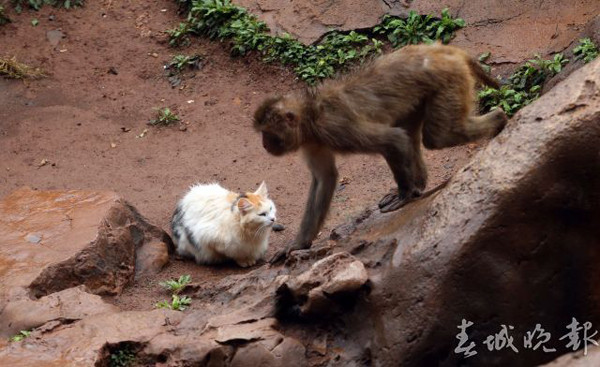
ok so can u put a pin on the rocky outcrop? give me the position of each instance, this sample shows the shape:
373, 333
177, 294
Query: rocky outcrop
51, 241
511, 240
577, 359
67, 306
328, 287
495, 26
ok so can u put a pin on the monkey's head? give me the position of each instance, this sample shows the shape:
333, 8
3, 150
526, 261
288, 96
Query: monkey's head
279, 120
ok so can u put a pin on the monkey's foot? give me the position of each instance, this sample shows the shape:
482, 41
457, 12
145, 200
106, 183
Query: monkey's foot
279, 256
285, 253
393, 201
501, 120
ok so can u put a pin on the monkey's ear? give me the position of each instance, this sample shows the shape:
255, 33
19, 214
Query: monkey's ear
262, 190
291, 118
244, 205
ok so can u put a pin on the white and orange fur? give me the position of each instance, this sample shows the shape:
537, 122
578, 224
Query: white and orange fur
212, 224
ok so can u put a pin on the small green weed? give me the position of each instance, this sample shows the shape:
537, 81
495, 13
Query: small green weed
4, 19
181, 62
179, 36
122, 358
20, 336
37, 4
177, 303
524, 85
483, 58
178, 285
586, 50
165, 117
418, 28
509, 99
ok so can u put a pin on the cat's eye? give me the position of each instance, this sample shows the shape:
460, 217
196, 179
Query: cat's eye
263, 214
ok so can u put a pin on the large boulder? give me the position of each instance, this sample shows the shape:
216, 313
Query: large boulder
512, 239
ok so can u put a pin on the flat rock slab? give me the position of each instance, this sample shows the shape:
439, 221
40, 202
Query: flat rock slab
68, 305
501, 27
54, 240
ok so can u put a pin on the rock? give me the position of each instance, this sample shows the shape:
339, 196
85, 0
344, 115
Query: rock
54, 37
85, 237
592, 31
81, 343
320, 290
510, 241
67, 305
151, 258
578, 359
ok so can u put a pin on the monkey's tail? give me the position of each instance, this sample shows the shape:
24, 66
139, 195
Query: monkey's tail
481, 74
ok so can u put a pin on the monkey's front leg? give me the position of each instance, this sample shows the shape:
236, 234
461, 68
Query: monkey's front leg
321, 162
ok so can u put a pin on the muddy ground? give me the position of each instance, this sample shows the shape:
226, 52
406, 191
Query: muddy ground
82, 126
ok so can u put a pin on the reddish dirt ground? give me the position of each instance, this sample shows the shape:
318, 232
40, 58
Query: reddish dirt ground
75, 120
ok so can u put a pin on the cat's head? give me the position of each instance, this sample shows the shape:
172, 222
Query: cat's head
256, 209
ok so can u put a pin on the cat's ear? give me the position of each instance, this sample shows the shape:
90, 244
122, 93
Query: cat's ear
262, 190
244, 205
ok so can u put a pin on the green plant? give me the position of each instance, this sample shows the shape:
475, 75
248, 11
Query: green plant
165, 117
418, 28
35, 22
483, 58
178, 285
37, 4
4, 19
524, 85
507, 98
446, 26
180, 62
177, 303
20, 336
586, 50
549, 67
220, 19
179, 36
122, 358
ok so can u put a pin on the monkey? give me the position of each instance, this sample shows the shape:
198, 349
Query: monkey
419, 93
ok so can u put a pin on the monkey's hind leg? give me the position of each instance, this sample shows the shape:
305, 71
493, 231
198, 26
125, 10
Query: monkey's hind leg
408, 168
442, 132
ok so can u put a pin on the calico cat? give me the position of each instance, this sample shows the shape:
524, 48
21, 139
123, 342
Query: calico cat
212, 224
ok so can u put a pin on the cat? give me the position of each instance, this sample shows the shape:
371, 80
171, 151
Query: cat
212, 224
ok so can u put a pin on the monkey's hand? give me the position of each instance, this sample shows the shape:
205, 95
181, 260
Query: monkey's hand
394, 201
281, 255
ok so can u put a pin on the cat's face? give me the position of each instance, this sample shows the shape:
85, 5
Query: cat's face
256, 209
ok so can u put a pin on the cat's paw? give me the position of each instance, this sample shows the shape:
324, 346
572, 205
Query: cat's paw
246, 263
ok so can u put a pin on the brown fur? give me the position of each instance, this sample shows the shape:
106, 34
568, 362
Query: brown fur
418, 93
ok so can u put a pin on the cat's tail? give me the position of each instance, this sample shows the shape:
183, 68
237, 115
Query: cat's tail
177, 225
